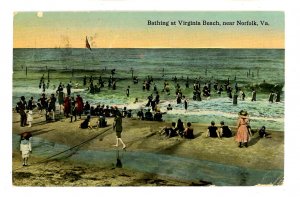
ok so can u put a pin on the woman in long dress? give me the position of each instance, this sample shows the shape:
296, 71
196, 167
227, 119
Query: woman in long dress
243, 133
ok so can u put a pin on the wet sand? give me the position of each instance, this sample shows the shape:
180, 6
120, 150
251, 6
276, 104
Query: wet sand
262, 153
66, 173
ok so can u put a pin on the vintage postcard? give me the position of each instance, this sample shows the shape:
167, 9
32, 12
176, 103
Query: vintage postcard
144, 98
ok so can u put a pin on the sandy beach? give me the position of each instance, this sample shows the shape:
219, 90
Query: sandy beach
60, 173
139, 136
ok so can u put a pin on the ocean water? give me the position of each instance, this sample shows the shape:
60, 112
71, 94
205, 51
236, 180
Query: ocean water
67, 64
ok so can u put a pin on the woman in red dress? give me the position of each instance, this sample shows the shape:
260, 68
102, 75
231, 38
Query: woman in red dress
80, 104
243, 134
67, 106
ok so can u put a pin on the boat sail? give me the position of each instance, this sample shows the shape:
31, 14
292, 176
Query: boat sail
87, 44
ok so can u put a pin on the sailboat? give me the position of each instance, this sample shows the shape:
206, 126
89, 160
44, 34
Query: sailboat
87, 44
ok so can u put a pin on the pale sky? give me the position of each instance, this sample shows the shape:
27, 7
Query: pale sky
131, 30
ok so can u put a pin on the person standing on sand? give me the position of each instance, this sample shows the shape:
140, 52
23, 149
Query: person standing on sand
25, 147
42, 104
51, 107
69, 86
117, 126
22, 105
67, 106
73, 109
31, 104
80, 105
61, 95
29, 118
243, 134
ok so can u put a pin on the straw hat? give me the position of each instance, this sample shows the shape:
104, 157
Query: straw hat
243, 113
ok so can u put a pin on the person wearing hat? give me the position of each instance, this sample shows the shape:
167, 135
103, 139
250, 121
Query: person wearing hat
117, 126
243, 134
212, 130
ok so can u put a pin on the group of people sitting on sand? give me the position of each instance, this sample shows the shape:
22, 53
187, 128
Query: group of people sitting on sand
222, 131
243, 133
178, 129
150, 116
102, 122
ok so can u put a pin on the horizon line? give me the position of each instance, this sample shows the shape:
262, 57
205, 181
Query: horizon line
142, 48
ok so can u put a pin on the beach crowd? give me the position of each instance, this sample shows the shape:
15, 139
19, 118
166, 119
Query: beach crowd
61, 103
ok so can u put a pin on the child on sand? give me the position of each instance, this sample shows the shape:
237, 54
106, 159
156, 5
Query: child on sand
29, 118
25, 146
262, 132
